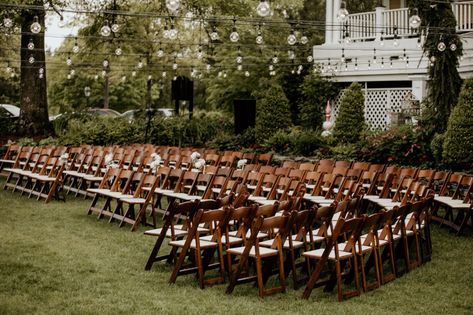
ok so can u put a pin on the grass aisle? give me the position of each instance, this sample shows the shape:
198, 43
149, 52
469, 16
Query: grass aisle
54, 259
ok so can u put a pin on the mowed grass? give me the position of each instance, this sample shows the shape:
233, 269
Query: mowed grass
54, 259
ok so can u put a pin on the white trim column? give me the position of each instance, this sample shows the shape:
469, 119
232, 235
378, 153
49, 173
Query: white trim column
329, 21
337, 25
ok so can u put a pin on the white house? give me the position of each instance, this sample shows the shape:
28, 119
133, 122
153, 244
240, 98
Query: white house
381, 51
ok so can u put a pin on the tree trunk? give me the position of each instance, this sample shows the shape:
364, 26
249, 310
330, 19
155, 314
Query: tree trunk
106, 91
34, 119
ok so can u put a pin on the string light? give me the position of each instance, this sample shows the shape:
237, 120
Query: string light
69, 61
172, 5
234, 36
247, 73
343, 12
291, 38
259, 37
118, 51
75, 48
31, 44
31, 59
304, 39
214, 34
375, 61
414, 20
115, 28
105, 63
35, 26
263, 8
105, 30
7, 22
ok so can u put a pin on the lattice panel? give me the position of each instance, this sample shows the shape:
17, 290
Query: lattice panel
378, 103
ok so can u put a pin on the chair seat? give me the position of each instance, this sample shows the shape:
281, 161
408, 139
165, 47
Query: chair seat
202, 243
317, 253
133, 200
93, 178
157, 232
264, 251
269, 243
231, 239
248, 234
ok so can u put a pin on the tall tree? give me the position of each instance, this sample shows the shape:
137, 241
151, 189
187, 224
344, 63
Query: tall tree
443, 47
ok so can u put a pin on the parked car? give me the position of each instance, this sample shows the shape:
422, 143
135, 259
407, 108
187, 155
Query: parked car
133, 114
103, 112
8, 110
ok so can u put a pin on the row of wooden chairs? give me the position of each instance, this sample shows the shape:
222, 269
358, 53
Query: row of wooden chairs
203, 239
38, 173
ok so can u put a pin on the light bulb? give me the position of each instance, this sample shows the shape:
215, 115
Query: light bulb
41, 75
61, 22
275, 59
75, 48
105, 31
41, 70
271, 67
247, 73
214, 35
118, 51
150, 77
172, 5
224, 74
291, 54
453, 47
259, 39
414, 20
239, 59
234, 36
208, 67
115, 27
133, 73
105, 63
124, 78
441, 46
104, 73
160, 53
96, 77
172, 33
200, 55
310, 58
432, 59
263, 8
72, 72
164, 74
239, 67
343, 13
304, 39
35, 26
7, 22
140, 64
292, 39
69, 61
31, 59
69, 76
31, 44
174, 66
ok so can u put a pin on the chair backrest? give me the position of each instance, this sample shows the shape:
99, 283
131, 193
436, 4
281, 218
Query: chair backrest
364, 166
290, 164
264, 158
351, 228
307, 166
267, 210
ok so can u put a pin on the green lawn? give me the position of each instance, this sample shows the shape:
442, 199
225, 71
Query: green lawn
54, 259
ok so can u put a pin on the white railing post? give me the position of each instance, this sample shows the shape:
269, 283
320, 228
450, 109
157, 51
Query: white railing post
337, 24
329, 13
379, 21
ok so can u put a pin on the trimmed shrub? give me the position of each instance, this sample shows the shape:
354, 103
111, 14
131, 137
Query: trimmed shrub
350, 121
458, 147
272, 110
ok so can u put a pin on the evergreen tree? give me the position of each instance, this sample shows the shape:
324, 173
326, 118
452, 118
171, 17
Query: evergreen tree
272, 110
439, 22
351, 119
457, 146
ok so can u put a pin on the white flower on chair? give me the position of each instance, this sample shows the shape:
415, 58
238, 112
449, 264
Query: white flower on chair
199, 164
241, 163
195, 156
64, 157
108, 158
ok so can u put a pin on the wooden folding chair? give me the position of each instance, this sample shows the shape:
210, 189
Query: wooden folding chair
273, 256
203, 250
175, 213
340, 254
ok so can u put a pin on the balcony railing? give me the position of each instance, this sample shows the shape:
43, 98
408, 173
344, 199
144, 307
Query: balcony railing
372, 25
